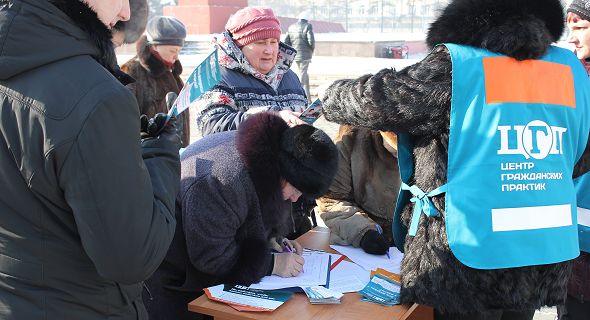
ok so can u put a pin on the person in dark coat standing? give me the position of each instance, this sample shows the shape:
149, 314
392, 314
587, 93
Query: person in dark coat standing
577, 304
156, 69
236, 191
300, 36
416, 102
86, 207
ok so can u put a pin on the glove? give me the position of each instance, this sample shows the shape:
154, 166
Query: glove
374, 243
288, 265
151, 128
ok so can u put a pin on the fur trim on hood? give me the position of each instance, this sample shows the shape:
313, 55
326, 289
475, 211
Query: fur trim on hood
259, 144
151, 63
135, 26
522, 29
87, 20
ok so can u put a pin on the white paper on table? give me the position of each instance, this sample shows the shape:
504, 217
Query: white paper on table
370, 261
315, 273
348, 277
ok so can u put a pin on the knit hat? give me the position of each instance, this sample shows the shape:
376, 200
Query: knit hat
166, 30
135, 26
581, 8
252, 24
308, 159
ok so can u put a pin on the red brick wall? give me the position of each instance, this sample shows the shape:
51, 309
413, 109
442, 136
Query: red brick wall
204, 16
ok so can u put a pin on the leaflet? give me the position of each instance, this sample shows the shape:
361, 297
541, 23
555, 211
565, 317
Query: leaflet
242, 298
381, 290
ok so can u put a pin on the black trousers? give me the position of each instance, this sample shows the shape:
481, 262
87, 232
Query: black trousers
574, 309
487, 315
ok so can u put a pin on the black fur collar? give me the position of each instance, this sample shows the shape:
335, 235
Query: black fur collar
151, 63
258, 143
87, 20
522, 29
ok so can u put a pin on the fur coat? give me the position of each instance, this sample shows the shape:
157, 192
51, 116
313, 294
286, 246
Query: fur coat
417, 100
152, 82
230, 205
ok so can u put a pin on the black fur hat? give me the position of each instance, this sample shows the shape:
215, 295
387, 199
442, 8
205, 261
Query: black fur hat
135, 26
308, 159
522, 29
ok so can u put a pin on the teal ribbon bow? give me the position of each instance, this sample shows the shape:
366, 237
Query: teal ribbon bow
422, 204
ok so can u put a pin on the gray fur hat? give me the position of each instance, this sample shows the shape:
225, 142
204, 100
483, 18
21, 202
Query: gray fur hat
166, 30
135, 26
308, 159
581, 8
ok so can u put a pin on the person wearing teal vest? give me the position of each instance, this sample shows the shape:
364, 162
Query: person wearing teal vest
577, 304
492, 122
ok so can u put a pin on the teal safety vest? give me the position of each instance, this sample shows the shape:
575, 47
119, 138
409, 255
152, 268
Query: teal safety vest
516, 130
582, 184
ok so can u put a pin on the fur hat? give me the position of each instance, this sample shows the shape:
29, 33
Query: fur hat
308, 159
166, 30
253, 23
581, 8
135, 26
490, 24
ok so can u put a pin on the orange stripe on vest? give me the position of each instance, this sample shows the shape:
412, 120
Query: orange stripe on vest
530, 81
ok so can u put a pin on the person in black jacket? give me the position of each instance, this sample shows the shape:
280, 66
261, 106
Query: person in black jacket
86, 206
300, 36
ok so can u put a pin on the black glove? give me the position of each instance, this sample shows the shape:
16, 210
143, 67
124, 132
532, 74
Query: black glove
374, 243
151, 128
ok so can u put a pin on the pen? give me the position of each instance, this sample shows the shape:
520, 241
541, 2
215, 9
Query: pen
381, 233
287, 245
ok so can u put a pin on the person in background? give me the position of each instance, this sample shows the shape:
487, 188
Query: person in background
255, 77
364, 191
236, 191
86, 207
577, 304
300, 36
156, 69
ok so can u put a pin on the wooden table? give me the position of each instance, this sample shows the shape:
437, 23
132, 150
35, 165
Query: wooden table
298, 307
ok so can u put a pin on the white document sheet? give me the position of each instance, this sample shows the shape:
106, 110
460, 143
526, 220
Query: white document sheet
348, 277
371, 262
315, 273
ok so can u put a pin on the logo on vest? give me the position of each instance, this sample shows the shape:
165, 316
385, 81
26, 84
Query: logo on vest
535, 140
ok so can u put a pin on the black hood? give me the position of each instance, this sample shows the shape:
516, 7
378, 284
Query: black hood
38, 32
522, 29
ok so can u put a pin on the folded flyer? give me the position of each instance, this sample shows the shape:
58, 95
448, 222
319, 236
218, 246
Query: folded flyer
243, 298
381, 290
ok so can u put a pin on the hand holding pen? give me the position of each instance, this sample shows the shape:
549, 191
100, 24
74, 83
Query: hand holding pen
292, 246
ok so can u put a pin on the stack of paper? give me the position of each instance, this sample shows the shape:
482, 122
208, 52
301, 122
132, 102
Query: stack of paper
315, 273
242, 298
382, 289
348, 277
321, 295
370, 261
